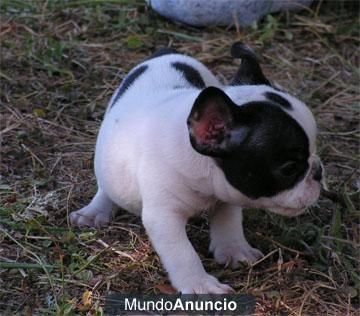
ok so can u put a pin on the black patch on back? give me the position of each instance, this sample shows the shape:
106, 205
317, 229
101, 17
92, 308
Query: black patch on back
163, 51
190, 74
278, 99
128, 81
254, 164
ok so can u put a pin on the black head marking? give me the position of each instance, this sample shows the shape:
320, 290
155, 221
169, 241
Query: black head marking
261, 149
278, 99
274, 155
190, 74
128, 81
249, 72
163, 51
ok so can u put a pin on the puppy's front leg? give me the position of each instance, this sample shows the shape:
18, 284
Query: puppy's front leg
166, 229
228, 242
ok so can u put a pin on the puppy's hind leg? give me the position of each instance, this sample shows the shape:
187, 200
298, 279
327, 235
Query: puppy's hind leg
96, 214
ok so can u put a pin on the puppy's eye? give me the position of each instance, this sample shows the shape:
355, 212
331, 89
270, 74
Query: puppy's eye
288, 169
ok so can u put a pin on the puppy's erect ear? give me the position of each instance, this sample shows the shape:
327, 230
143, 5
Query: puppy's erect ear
211, 123
250, 72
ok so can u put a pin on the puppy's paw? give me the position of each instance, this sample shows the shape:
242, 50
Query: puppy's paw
88, 216
206, 284
231, 253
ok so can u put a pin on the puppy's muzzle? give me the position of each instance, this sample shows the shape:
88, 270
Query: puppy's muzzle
317, 171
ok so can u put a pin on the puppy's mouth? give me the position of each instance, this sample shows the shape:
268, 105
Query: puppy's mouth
288, 211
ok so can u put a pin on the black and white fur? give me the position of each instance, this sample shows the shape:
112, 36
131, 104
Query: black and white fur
175, 141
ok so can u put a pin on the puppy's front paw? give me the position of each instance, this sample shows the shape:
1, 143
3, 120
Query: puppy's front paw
89, 216
206, 284
231, 253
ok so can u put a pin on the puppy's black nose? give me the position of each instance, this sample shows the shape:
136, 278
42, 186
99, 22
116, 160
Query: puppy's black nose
318, 172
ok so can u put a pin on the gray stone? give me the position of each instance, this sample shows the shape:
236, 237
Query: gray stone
222, 12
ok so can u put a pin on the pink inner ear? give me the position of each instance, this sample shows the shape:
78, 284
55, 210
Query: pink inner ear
210, 127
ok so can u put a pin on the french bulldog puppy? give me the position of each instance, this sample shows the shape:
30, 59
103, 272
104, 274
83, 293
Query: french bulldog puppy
176, 141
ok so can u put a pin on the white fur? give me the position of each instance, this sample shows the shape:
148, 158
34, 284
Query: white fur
145, 164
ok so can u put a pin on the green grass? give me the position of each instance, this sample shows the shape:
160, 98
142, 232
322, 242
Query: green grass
61, 61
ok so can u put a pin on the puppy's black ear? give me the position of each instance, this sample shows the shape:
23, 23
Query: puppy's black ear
250, 72
211, 123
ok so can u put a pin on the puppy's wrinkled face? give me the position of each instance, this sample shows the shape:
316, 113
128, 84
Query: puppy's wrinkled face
262, 139
273, 155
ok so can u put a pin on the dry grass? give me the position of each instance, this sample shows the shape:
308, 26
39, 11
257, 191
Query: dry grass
60, 62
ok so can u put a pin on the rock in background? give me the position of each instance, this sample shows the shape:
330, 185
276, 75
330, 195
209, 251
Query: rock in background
222, 12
